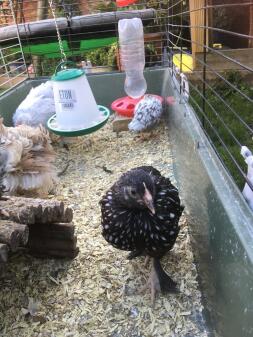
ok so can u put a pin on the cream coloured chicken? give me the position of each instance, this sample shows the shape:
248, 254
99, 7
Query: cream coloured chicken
27, 159
37, 107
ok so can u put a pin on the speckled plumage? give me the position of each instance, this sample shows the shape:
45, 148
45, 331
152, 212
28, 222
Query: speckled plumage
137, 229
2, 187
146, 113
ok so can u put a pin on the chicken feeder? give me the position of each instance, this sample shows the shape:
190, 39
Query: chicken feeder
77, 112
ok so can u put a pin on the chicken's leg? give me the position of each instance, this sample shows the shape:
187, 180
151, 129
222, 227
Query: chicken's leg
159, 281
134, 254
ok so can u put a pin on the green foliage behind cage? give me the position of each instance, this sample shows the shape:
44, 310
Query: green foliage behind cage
241, 105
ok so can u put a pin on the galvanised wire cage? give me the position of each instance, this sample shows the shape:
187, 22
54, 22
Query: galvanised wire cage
216, 37
204, 48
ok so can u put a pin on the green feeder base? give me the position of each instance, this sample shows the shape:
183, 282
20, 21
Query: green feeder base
52, 125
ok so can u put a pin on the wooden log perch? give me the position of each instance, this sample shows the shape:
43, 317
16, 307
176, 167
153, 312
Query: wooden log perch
13, 234
42, 245
30, 211
56, 230
70, 254
68, 215
4, 250
43, 226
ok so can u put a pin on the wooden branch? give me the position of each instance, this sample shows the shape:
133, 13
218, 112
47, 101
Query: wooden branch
13, 234
4, 250
31, 211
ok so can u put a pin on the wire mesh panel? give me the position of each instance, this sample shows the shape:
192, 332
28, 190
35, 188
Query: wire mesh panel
209, 45
88, 30
12, 64
210, 42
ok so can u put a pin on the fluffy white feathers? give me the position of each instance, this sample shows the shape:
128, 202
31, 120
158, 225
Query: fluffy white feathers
37, 107
27, 158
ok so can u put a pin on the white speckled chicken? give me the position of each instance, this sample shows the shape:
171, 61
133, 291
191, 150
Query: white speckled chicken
26, 159
37, 107
147, 113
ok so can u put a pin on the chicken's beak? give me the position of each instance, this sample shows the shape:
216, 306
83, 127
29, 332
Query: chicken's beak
148, 200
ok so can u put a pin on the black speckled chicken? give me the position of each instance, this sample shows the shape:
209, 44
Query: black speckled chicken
140, 213
2, 187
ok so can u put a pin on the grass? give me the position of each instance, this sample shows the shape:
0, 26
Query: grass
216, 110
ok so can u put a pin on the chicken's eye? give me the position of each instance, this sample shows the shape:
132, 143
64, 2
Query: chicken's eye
133, 192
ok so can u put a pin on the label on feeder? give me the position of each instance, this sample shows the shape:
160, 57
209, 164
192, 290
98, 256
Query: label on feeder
67, 98
67, 105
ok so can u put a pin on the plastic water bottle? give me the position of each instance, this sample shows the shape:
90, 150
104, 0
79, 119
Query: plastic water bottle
132, 55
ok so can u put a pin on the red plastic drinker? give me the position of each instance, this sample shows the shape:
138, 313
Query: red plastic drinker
122, 3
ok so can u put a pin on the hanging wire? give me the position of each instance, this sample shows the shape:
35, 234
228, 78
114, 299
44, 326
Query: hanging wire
52, 7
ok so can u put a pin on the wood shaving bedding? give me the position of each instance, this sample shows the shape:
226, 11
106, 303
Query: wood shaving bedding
94, 295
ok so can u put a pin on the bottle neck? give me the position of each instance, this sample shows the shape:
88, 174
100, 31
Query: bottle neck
134, 72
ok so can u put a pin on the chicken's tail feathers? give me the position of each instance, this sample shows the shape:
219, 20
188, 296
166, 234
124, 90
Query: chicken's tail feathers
39, 184
135, 126
166, 282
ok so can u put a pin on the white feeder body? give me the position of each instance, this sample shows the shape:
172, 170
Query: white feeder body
75, 104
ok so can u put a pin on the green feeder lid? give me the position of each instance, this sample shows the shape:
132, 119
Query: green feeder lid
66, 74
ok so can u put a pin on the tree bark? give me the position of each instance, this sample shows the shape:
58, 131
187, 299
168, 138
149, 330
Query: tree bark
4, 250
30, 211
43, 226
13, 234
